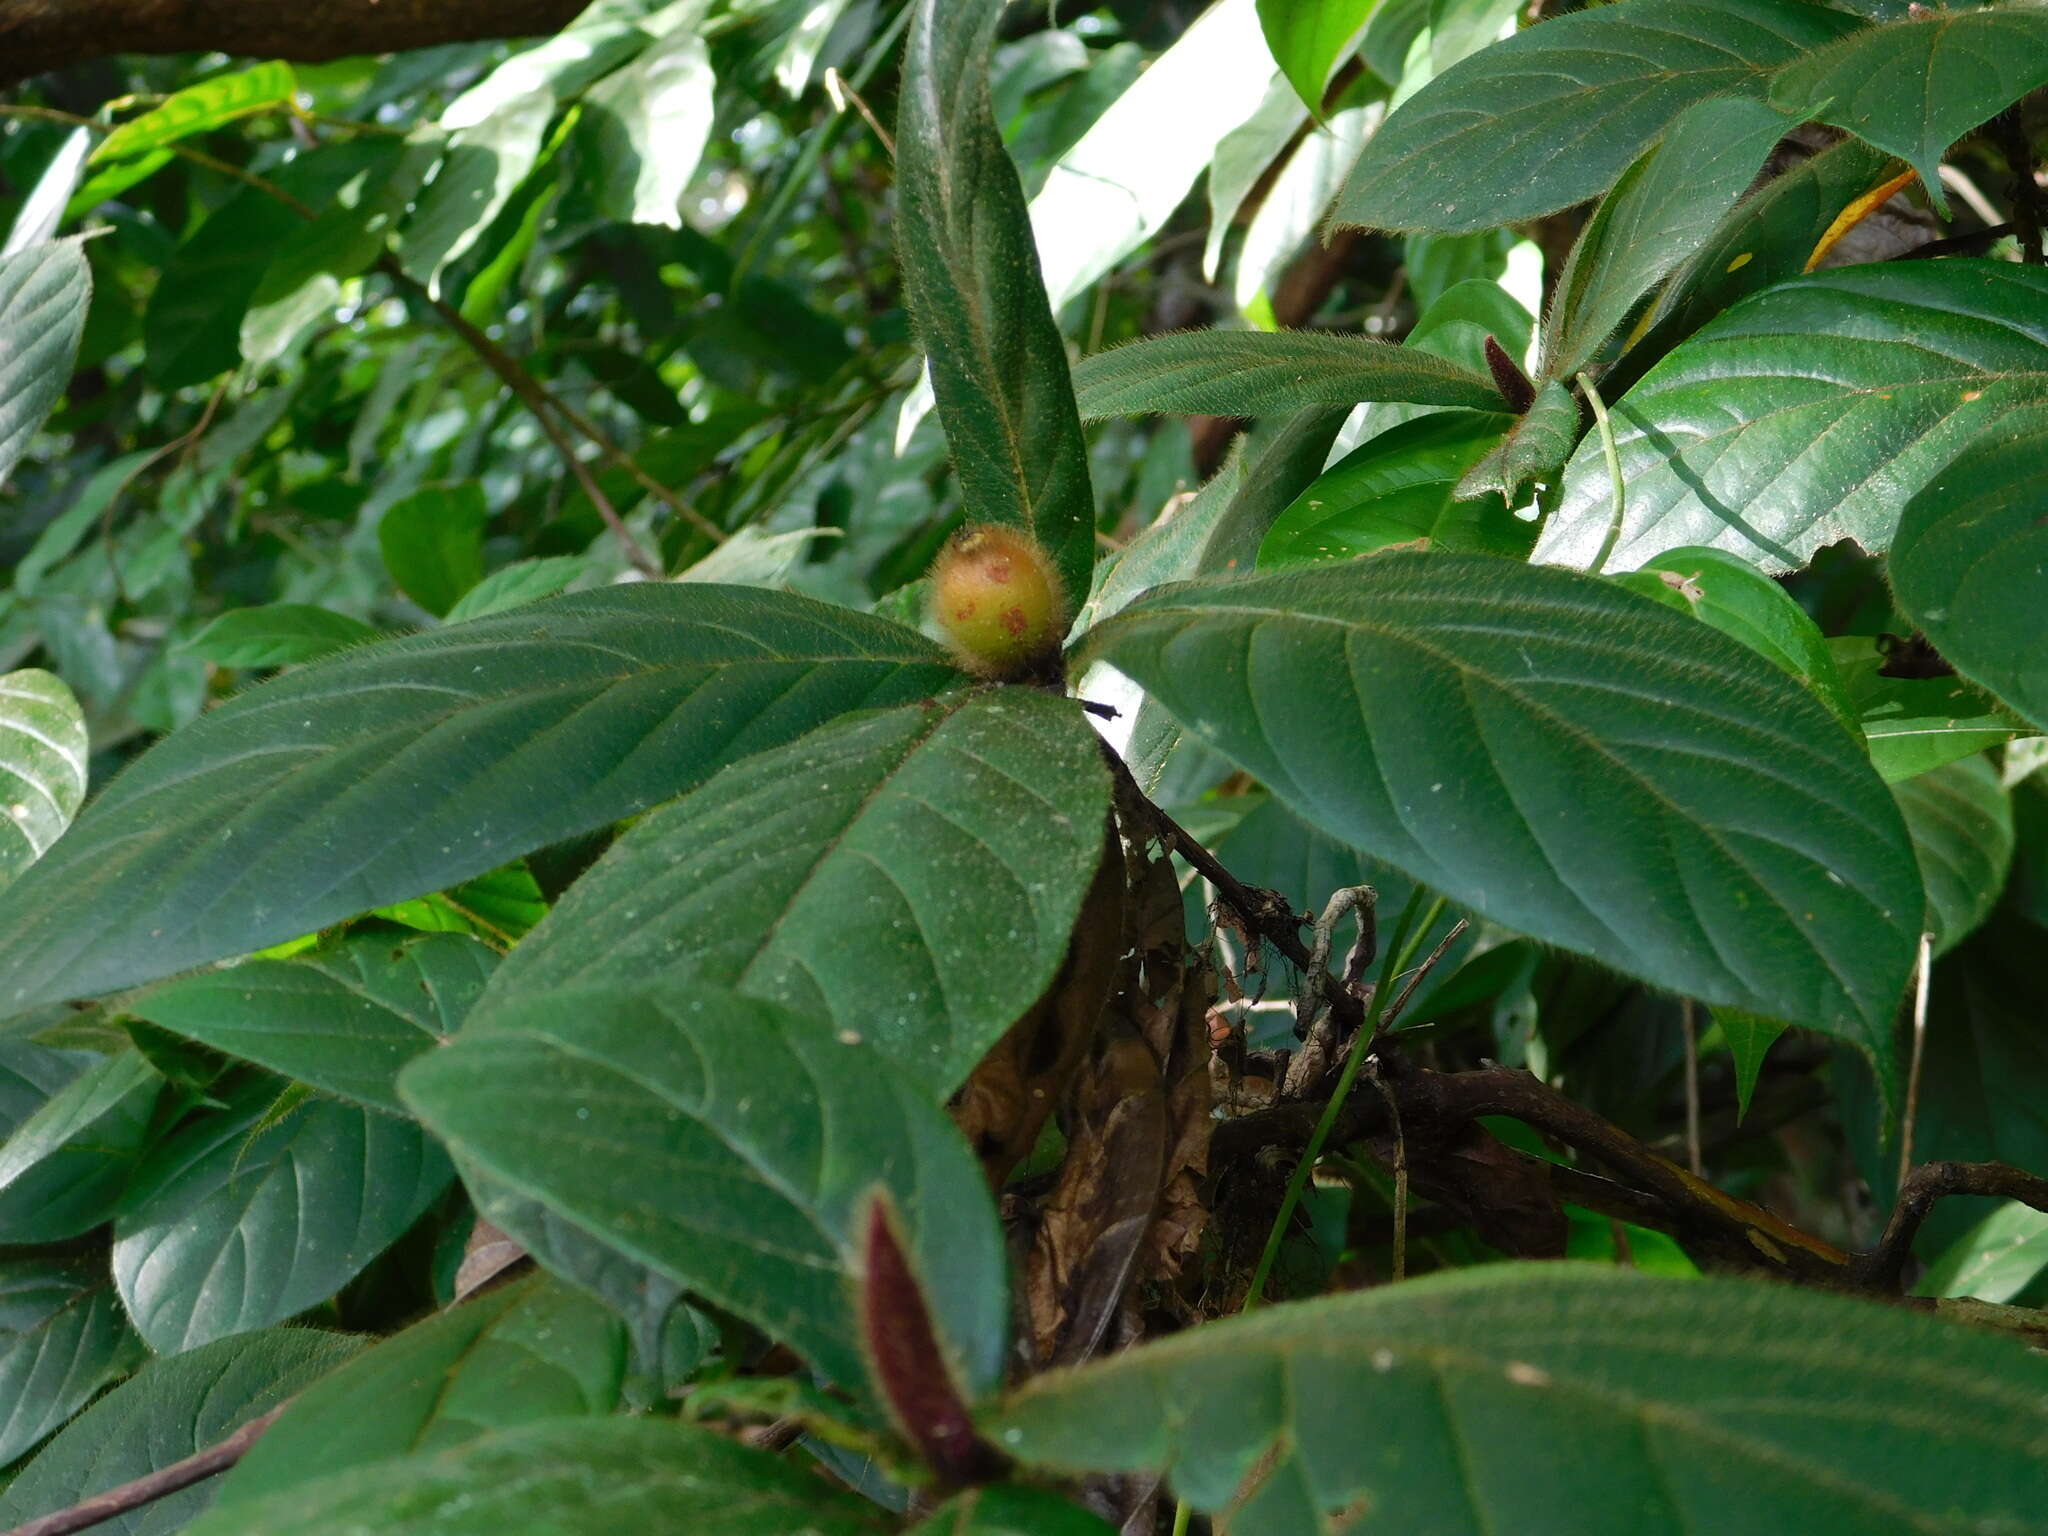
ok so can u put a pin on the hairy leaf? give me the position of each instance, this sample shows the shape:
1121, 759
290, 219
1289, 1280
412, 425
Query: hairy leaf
1566, 758
1261, 373
1534, 449
970, 269
1812, 412
415, 763
62, 1338
1678, 1405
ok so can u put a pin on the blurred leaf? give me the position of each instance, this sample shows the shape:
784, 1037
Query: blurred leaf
171, 1409
1750, 1037
344, 1019
1811, 412
64, 1169
1257, 373
651, 121
1243, 157
1970, 564
515, 585
451, 749
730, 1145
856, 875
1009, 1509
199, 109
62, 1338
519, 1353
1479, 145
276, 635
1997, 1259
433, 543
501, 907
564, 1478
1477, 723
1915, 724
486, 160
42, 765
1960, 819
242, 1219
970, 272
44, 291
1915, 86
1729, 593
1309, 38
1401, 488
1663, 209
1481, 1385
751, 558
42, 211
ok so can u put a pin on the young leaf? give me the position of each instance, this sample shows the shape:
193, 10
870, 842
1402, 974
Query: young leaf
1960, 818
343, 1020
1970, 564
1484, 142
1534, 450
276, 635
857, 874
1310, 37
1401, 488
433, 543
515, 585
42, 765
199, 109
240, 1220
1678, 1404
1913, 87
44, 291
1663, 209
517, 1354
970, 269
727, 1143
1262, 373
593, 1477
1750, 1037
62, 1338
1812, 412
169, 1410
1571, 760
63, 1169
413, 764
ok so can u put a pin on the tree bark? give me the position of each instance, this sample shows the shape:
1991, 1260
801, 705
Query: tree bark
37, 36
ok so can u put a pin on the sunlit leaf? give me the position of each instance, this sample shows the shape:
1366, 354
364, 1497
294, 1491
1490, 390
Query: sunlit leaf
199, 109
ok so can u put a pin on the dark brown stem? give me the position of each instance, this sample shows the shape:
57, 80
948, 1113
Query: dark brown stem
2029, 204
1884, 1267
154, 1485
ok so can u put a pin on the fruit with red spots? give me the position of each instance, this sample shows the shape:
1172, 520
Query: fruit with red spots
997, 600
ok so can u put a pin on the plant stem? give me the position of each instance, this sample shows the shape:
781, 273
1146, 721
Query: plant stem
1606, 430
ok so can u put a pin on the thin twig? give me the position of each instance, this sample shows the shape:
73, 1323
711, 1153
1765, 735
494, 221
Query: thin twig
1885, 1265
841, 90
1400, 1177
153, 1485
1920, 985
1613, 454
1692, 1087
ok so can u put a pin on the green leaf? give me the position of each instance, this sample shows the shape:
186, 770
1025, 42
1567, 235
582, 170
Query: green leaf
1970, 564
199, 109
1551, 116
1960, 818
276, 635
1750, 1037
171, 1409
1736, 598
62, 1338
566, 1478
1263, 373
728, 1144
1401, 488
44, 291
343, 1020
1997, 1259
1676, 1404
515, 585
433, 543
64, 1168
857, 875
413, 764
1913, 87
651, 122
42, 765
485, 163
241, 1219
1662, 210
1811, 412
500, 908
518, 1354
1915, 724
1571, 760
1008, 1509
39, 214
1534, 449
1309, 38
971, 274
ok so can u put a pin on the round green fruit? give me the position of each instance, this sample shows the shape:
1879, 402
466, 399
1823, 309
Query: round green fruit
997, 600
